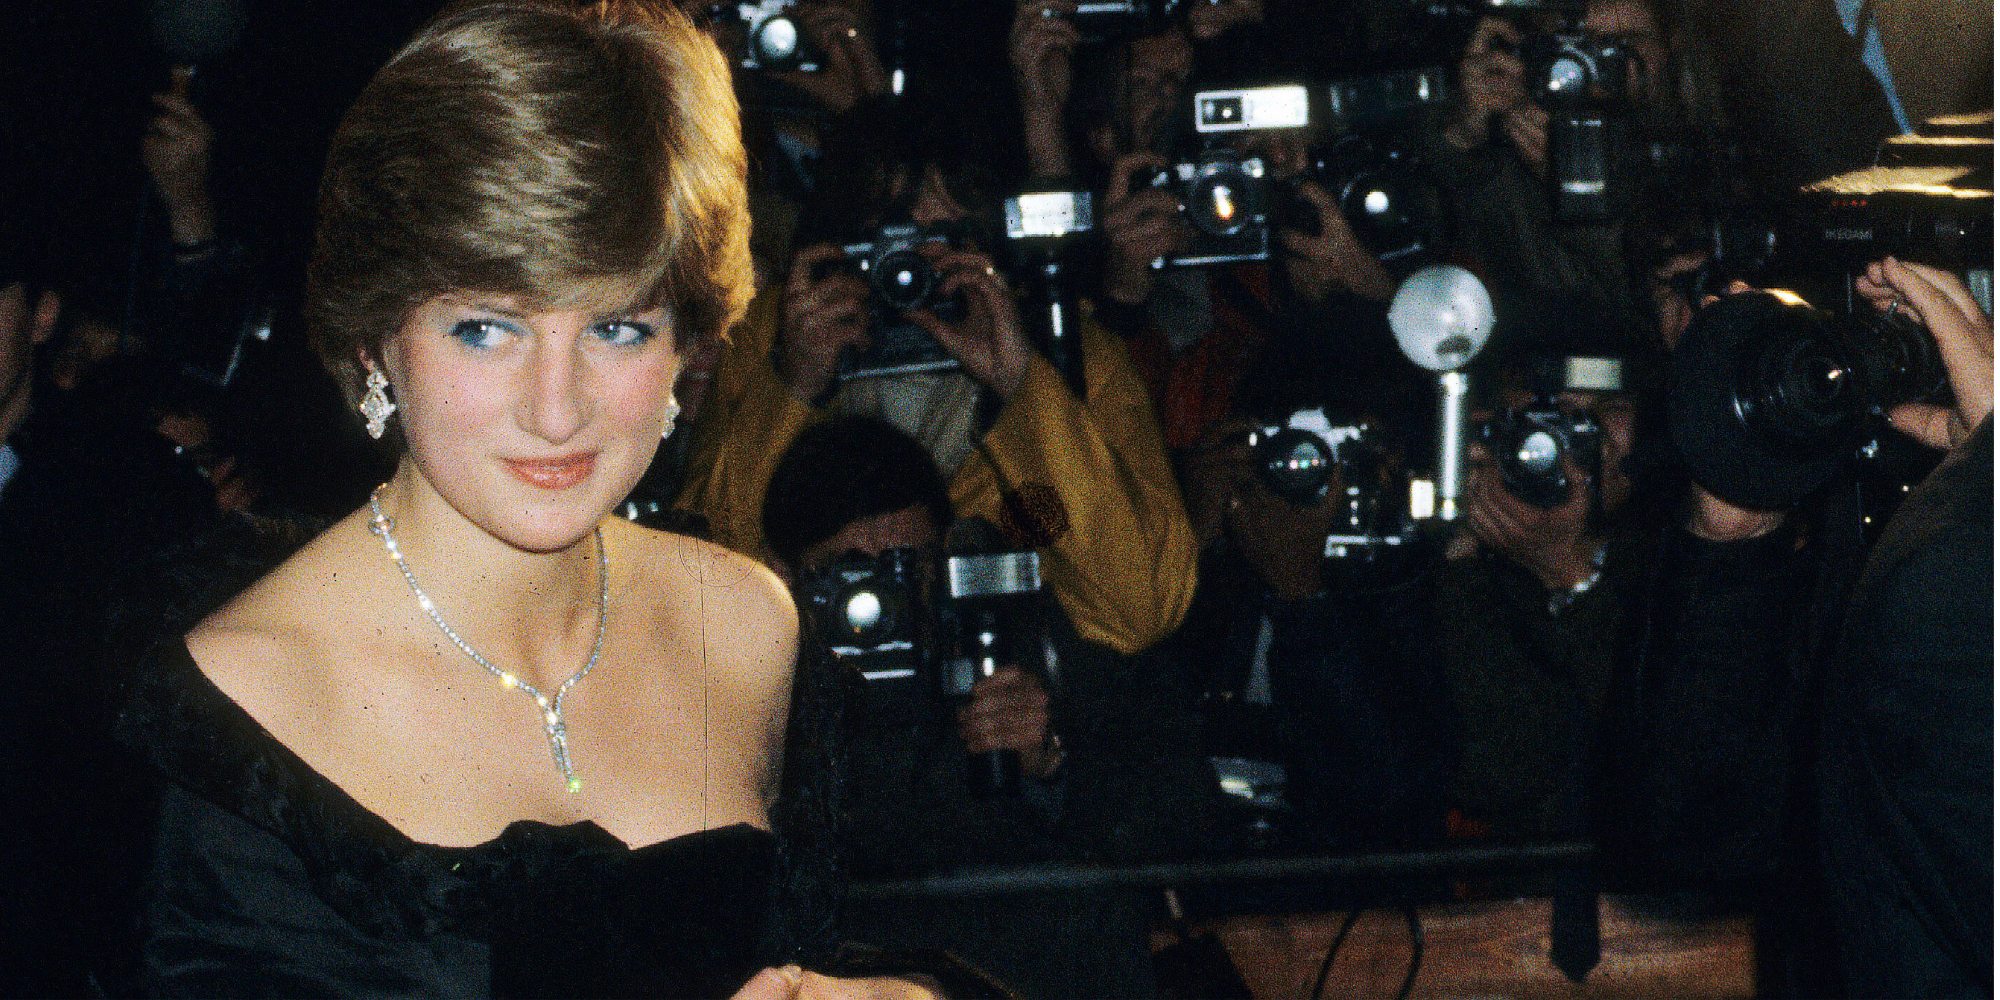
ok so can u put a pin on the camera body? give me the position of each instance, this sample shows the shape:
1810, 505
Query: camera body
773, 39
1225, 199
1311, 455
900, 278
1770, 397
1528, 447
917, 660
870, 615
1564, 69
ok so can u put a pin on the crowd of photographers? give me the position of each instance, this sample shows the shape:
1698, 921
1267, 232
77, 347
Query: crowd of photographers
1070, 407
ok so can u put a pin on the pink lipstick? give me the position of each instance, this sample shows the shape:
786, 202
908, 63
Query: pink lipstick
553, 473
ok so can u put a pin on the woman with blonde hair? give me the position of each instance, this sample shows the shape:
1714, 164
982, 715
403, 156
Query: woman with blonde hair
480, 737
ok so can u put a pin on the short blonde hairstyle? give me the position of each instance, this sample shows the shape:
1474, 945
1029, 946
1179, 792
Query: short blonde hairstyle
534, 149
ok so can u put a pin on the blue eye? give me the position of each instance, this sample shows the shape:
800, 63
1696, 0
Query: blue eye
622, 332
482, 333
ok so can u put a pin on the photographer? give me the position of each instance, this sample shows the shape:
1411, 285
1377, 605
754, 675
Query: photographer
1328, 671
1905, 751
1491, 148
1532, 599
1108, 772
1083, 479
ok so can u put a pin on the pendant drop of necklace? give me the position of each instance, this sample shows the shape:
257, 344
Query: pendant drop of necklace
551, 708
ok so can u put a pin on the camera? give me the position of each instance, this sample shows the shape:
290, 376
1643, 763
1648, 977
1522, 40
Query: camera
1310, 455
1395, 207
1529, 444
1528, 447
870, 614
1565, 69
1770, 397
1104, 19
1223, 196
773, 39
900, 279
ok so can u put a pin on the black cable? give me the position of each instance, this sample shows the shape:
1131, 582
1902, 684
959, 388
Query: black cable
1416, 951
1353, 917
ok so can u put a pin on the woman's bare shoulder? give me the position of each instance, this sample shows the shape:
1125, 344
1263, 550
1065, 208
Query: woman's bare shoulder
727, 594
260, 639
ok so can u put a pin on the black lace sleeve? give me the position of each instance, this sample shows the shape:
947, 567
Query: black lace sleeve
808, 815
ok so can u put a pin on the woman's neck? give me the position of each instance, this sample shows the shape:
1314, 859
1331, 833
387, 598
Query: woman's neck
534, 613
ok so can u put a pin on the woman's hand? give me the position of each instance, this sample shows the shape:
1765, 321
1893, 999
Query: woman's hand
988, 341
794, 983
822, 316
1964, 335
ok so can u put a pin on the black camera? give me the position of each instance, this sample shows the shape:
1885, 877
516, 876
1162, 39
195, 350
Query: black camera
869, 612
1771, 397
1565, 69
1528, 447
1224, 197
1395, 207
772, 37
1310, 455
1103, 19
900, 279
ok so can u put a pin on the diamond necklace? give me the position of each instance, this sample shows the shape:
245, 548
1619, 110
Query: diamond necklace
552, 717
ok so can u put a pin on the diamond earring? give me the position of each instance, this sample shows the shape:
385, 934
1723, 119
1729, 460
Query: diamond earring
673, 413
375, 404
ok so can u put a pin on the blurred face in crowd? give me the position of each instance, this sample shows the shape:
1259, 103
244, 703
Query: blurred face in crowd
532, 424
1157, 71
1632, 23
908, 528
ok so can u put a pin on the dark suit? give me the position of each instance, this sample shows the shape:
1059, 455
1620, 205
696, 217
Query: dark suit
1905, 769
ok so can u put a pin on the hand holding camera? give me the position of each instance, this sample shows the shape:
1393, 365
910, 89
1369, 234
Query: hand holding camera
175, 151
1039, 45
1556, 544
1964, 335
1139, 228
849, 70
988, 341
824, 314
1331, 259
1010, 711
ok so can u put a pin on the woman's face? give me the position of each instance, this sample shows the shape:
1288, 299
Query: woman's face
532, 425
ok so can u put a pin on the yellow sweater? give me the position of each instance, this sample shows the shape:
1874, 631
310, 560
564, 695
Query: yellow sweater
1122, 560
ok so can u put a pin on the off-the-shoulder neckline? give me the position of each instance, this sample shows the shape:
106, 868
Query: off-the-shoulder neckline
175, 655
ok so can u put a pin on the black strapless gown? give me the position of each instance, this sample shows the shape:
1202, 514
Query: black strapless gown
267, 879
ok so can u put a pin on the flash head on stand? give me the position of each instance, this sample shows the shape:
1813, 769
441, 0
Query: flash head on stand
1441, 317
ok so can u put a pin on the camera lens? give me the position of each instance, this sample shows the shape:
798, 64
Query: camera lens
1294, 464
1538, 454
903, 279
777, 41
864, 611
1218, 206
1567, 76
